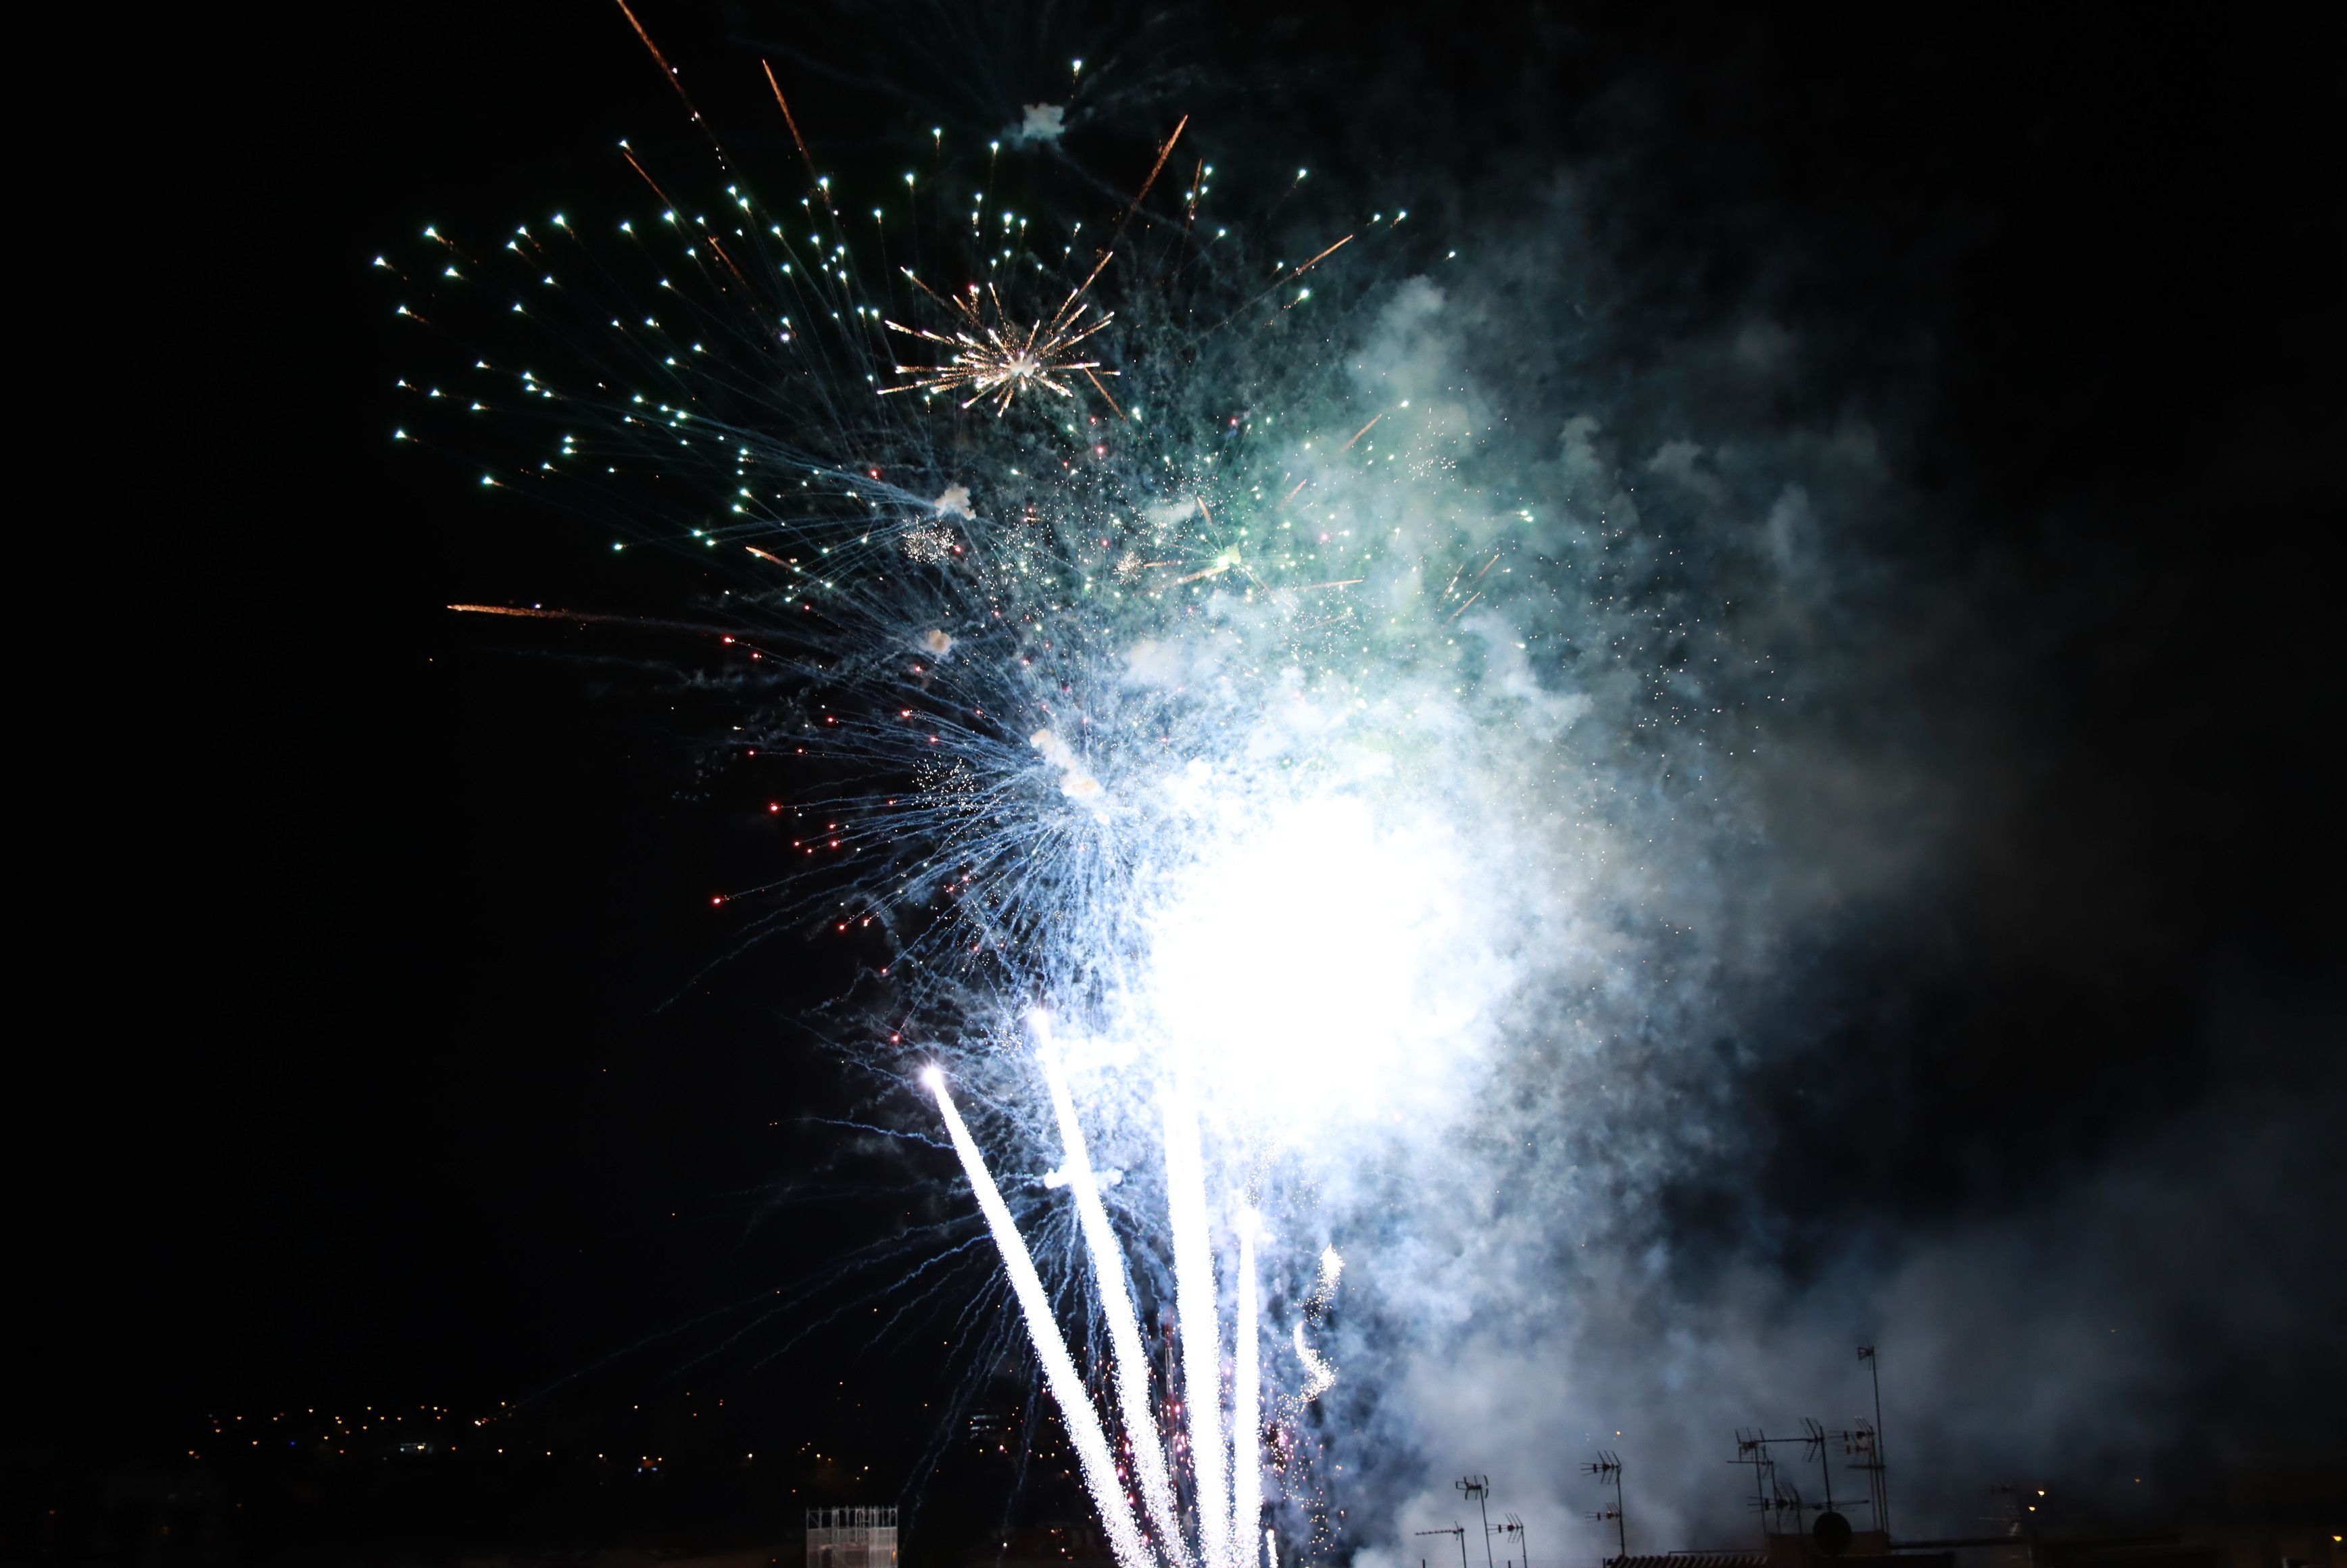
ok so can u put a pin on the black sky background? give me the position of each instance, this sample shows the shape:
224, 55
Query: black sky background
351, 1077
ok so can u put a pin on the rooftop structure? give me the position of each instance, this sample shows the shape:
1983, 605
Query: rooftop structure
851, 1538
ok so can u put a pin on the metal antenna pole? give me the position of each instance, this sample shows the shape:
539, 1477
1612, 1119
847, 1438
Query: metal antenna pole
1511, 1525
1479, 1487
1881, 1461
1816, 1438
1864, 1450
1607, 1467
1752, 1447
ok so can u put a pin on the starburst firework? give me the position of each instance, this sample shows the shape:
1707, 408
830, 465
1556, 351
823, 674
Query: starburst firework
994, 359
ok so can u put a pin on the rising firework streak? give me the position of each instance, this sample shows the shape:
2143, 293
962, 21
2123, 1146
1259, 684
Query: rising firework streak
1226, 1537
1132, 1366
1059, 1373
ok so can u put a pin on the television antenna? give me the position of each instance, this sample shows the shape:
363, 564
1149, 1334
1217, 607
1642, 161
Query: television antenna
1831, 1532
1863, 1447
1876, 1461
1458, 1530
1479, 1487
1813, 1442
1771, 1497
1607, 1468
1511, 1525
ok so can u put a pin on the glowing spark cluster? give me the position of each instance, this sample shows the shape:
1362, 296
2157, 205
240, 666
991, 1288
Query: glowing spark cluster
931, 546
1319, 1375
992, 359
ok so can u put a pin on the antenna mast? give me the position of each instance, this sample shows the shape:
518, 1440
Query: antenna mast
1880, 1462
1479, 1487
1511, 1525
1607, 1468
1813, 1436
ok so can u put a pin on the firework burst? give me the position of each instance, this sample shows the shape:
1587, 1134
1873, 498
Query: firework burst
1225, 723
971, 636
993, 359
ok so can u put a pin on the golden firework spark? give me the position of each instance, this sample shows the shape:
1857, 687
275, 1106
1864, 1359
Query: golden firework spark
994, 359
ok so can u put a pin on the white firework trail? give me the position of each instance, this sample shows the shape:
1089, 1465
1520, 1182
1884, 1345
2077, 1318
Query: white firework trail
1132, 1366
1229, 1503
1246, 1402
1059, 1368
1194, 1309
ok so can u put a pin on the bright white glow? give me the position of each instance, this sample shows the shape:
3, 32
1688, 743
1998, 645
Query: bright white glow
1314, 967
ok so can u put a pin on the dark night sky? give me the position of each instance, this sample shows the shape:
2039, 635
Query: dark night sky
351, 1079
